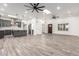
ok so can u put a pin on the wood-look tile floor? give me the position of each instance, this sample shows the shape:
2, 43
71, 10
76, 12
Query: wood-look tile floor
40, 45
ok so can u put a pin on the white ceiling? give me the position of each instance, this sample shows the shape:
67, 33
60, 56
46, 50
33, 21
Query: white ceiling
65, 9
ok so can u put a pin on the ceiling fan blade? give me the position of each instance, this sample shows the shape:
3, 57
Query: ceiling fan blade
31, 4
32, 10
27, 6
37, 4
41, 7
36, 10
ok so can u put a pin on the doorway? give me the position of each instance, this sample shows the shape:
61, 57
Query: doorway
29, 29
49, 28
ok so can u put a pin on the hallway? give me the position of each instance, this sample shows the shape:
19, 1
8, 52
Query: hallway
40, 45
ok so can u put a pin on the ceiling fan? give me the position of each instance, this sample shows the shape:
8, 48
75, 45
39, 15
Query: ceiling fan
35, 7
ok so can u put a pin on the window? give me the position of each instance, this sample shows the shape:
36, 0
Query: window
63, 27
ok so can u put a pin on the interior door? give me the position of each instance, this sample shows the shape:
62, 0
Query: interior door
49, 28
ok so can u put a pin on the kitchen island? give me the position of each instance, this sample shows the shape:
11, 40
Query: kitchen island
15, 31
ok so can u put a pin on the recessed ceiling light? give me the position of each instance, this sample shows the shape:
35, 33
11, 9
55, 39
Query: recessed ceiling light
58, 7
5, 4
46, 11
2, 9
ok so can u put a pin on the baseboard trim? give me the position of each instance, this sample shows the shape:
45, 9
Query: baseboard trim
66, 34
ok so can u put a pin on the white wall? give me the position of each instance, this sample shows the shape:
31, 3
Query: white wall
37, 26
73, 26
55, 26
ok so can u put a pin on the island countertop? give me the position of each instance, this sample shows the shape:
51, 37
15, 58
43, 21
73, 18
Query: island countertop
11, 28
